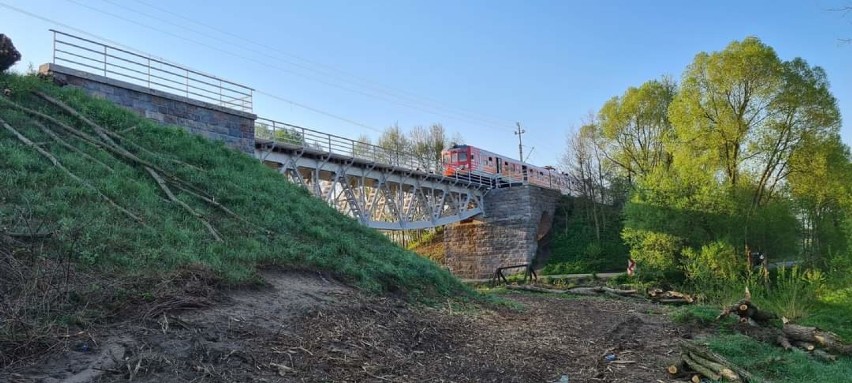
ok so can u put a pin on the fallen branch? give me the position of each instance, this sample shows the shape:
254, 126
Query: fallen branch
59, 165
97, 128
105, 134
658, 295
597, 290
220, 207
162, 183
108, 143
70, 147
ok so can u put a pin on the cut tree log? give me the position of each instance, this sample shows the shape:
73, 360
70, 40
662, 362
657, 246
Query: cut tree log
829, 340
695, 349
718, 368
784, 342
747, 310
807, 346
700, 368
678, 370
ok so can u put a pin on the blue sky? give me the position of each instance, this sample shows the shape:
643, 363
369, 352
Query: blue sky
474, 66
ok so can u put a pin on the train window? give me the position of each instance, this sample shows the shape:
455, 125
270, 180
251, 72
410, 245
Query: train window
462, 157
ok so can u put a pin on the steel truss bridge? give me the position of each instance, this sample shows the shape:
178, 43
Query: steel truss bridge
382, 189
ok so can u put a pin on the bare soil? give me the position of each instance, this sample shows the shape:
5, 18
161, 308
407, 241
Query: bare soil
304, 327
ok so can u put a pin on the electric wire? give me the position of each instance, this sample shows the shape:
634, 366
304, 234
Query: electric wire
115, 43
313, 66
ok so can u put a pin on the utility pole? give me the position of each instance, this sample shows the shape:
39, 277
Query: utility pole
519, 132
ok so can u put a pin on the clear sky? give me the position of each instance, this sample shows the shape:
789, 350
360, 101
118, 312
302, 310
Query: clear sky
477, 67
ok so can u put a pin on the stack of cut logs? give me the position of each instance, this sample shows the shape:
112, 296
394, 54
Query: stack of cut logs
820, 344
697, 362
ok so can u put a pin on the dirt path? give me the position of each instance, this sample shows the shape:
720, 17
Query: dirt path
304, 328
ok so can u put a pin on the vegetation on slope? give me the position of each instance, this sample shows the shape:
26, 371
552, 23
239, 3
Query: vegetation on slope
55, 227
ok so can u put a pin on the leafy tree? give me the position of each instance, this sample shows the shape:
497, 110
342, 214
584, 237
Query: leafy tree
278, 134
363, 148
395, 144
820, 180
742, 112
427, 145
634, 128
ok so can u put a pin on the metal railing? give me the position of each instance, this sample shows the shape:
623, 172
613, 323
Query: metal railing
283, 132
121, 64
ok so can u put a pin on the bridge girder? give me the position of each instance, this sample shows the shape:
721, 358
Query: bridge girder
383, 197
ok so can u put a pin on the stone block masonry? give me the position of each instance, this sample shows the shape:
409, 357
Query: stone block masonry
515, 220
235, 128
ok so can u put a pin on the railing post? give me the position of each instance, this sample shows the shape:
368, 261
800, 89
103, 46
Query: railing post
54, 47
220, 93
149, 73
329, 143
187, 83
105, 60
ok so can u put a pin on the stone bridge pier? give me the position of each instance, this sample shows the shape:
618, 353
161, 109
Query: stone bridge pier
512, 231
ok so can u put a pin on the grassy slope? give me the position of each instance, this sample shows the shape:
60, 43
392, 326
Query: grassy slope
308, 233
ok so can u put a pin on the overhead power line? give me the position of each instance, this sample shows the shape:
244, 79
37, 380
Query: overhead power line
92, 35
267, 64
378, 94
331, 71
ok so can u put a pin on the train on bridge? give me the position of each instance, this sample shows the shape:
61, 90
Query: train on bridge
475, 163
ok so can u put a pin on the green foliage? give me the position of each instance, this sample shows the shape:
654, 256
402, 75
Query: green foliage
306, 232
278, 134
576, 246
794, 292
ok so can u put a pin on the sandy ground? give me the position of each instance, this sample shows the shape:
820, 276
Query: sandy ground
307, 328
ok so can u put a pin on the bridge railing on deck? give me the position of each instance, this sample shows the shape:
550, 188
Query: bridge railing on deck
296, 135
121, 64
285, 133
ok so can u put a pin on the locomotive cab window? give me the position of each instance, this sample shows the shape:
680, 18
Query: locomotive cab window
462, 157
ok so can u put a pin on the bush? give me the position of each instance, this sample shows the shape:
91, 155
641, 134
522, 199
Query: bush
794, 292
654, 251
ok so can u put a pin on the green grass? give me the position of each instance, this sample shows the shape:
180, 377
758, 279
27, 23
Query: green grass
699, 315
779, 366
308, 234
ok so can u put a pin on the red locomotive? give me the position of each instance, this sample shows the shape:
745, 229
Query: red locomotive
475, 163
